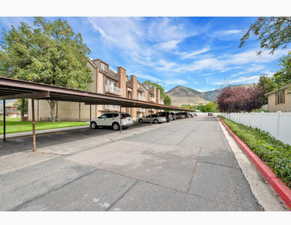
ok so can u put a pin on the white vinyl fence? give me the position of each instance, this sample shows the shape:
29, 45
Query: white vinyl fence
277, 124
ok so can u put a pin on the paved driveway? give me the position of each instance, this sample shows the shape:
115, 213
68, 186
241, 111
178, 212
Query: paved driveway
182, 165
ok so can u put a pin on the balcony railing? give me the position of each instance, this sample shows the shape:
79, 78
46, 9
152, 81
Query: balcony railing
111, 107
141, 98
152, 99
112, 89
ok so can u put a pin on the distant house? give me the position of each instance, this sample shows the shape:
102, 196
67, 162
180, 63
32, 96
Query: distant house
280, 99
11, 109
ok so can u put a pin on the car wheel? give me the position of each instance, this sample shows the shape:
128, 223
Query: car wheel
93, 125
156, 121
140, 121
115, 126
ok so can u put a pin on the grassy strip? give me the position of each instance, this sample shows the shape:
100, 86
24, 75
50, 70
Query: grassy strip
15, 126
273, 152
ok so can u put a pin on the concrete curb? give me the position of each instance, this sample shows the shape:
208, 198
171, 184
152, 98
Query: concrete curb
278, 186
39, 132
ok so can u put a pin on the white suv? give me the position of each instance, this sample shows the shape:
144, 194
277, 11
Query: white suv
112, 120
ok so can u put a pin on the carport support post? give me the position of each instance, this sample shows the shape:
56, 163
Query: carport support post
4, 120
33, 126
120, 127
90, 113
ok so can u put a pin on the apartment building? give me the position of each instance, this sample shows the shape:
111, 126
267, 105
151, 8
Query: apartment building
104, 81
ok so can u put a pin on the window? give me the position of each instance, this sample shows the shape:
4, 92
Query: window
103, 67
112, 115
280, 97
124, 115
104, 116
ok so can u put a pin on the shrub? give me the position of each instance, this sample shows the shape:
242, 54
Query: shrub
273, 152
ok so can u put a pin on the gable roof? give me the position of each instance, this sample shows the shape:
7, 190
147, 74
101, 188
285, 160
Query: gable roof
281, 88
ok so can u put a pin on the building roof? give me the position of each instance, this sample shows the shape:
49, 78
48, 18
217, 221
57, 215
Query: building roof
12, 89
278, 89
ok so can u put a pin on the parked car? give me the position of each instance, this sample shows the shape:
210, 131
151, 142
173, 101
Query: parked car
152, 118
181, 115
210, 114
112, 120
173, 115
165, 114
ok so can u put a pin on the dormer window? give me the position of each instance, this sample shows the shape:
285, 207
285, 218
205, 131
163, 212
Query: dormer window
103, 67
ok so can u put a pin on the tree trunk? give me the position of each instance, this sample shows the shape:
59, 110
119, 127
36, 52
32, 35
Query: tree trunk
22, 109
52, 105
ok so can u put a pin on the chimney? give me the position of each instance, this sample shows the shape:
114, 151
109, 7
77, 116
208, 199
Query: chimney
158, 96
133, 81
122, 80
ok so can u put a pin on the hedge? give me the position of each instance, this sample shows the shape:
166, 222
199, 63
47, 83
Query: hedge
273, 152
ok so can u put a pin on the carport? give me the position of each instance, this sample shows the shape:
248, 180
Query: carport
13, 89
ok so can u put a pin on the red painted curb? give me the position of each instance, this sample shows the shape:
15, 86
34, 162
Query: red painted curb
279, 187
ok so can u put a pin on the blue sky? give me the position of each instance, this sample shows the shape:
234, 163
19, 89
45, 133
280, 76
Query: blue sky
201, 53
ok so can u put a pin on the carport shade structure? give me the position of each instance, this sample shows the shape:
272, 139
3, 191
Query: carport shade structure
13, 89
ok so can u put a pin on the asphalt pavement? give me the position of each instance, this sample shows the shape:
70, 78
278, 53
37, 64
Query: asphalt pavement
185, 165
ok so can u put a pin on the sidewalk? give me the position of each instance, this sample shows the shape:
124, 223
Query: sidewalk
29, 133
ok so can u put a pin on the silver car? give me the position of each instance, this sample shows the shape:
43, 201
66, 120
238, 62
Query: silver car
153, 118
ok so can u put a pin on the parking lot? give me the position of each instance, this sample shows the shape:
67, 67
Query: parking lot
182, 165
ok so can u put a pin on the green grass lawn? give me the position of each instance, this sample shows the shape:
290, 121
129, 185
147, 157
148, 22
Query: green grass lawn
273, 152
14, 125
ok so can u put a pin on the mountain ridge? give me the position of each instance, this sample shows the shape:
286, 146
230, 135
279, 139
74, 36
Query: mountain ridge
181, 95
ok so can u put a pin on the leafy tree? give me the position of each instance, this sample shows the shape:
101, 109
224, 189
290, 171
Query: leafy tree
48, 52
266, 84
22, 106
167, 100
272, 32
164, 96
162, 90
209, 107
237, 99
185, 106
283, 76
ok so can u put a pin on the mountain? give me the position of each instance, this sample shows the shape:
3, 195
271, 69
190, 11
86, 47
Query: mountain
181, 95
211, 95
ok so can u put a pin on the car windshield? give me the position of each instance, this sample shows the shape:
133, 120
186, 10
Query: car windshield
124, 115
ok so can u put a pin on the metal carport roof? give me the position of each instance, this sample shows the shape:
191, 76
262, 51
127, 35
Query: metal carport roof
12, 89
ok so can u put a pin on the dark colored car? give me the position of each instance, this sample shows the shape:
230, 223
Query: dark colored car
165, 114
181, 115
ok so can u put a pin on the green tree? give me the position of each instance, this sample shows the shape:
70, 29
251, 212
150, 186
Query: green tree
209, 107
283, 76
272, 32
185, 106
167, 100
22, 106
164, 96
48, 52
266, 84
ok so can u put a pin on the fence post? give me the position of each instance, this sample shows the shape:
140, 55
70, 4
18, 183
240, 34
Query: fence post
278, 124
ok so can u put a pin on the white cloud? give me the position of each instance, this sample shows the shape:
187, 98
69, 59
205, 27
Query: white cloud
164, 30
137, 38
186, 55
231, 61
147, 77
229, 32
124, 33
210, 63
168, 45
251, 56
245, 80
175, 82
